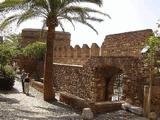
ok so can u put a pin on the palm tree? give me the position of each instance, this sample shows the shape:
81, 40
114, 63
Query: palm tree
53, 12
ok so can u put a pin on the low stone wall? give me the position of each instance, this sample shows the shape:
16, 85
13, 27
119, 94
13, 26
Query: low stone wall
37, 85
73, 79
97, 107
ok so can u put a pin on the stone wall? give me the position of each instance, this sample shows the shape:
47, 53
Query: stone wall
125, 44
76, 55
75, 80
62, 39
93, 82
89, 82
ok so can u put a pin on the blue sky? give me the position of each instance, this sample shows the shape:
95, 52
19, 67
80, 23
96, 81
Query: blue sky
127, 15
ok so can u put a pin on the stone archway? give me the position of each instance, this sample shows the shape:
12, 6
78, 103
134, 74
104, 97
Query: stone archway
109, 78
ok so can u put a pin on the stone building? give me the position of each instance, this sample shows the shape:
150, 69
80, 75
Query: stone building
91, 76
32, 35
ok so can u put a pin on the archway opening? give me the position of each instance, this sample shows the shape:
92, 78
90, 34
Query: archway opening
110, 84
117, 87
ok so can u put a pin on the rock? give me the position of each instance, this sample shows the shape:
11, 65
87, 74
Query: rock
152, 116
87, 114
133, 109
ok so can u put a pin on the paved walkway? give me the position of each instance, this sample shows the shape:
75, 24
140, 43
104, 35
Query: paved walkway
14, 105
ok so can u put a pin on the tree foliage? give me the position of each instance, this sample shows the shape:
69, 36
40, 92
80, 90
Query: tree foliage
154, 43
35, 50
6, 54
152, 58
68, 10
53, 12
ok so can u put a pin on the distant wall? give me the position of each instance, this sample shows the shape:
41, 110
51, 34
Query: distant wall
123, 44
31, 35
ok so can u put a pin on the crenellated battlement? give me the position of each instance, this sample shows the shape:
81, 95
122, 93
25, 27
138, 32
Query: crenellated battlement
122, 44
76, 55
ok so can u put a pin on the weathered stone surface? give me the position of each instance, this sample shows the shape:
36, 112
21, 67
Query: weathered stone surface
125, 44
134, 109
152, 116
87, 114
32, 35
93, 81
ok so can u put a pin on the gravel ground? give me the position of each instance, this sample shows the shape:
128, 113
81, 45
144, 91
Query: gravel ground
14, 105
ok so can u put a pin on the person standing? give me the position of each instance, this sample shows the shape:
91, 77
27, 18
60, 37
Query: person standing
26, 84
23, 77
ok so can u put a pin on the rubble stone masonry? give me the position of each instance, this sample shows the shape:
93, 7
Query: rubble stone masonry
88, 73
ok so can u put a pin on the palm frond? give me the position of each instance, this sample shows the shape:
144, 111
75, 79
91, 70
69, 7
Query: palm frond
30, 14
8, 21
85, 22
10, 5
96, 2
62, 27
65, 17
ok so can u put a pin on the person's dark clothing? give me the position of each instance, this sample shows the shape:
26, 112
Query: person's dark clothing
27, 80
23, 77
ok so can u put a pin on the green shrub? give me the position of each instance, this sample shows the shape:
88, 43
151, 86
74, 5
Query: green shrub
6, 54
8, 78
9, 71
35, 50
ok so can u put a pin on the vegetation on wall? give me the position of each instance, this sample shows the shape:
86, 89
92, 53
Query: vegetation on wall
35, 50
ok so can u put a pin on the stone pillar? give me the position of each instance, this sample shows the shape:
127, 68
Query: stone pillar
85, 51
77, 54
64, 52
95, 50
77, 51
70, 52
145, 100
58, 52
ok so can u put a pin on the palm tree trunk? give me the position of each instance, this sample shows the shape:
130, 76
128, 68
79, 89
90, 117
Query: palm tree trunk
49, 93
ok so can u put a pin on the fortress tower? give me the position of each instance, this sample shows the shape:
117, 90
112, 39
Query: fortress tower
32, 35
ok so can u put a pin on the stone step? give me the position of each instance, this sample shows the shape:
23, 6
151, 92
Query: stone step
134, 109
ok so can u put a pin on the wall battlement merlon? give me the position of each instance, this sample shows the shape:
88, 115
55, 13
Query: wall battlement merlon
77, 51
121, 44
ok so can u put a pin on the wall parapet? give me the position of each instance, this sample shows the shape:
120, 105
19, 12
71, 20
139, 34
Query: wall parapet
76, 55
